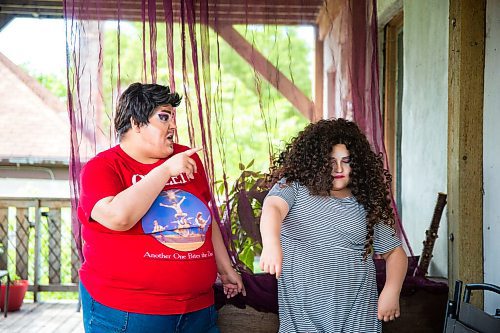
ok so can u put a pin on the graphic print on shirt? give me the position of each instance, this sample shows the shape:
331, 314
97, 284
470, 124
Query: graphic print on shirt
178, 220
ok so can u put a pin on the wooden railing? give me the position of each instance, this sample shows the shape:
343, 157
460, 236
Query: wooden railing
37, 243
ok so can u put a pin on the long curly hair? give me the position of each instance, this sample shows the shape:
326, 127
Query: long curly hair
307, 160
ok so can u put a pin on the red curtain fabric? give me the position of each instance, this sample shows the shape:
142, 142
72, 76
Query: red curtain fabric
355, 79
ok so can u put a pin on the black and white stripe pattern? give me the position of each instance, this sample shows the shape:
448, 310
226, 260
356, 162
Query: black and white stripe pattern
325, 285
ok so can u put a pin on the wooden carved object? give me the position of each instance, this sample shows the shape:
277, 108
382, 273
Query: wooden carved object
430, 235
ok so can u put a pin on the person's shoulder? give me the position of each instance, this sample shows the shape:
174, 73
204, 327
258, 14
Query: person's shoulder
104, 157
110, 152
285, 183
282, 183
289, 182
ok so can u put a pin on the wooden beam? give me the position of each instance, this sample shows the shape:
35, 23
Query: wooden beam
268, 71
467, 19
233, 19
229, 11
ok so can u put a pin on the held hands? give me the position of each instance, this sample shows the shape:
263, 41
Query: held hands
232, 283
271, 259
388, 305
182, 163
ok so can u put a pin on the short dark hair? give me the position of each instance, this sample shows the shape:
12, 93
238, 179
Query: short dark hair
138, 103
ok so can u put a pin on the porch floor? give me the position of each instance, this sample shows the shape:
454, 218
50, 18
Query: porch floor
422, 312
43, 317
61, 317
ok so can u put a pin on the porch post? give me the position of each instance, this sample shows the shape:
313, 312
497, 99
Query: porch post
465, 141
38, 251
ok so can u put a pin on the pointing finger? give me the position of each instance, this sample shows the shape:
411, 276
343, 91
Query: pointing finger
191, 151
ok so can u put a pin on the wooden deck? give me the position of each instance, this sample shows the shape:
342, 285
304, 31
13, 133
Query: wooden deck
61, 317
422, 312
44, 317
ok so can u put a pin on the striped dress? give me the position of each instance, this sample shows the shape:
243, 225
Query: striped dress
325, 285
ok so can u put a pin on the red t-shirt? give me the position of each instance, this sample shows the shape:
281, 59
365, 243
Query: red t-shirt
165, 264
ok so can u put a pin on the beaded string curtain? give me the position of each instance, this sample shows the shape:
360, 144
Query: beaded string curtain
244, 69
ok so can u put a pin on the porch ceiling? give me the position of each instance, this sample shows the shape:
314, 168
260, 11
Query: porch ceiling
286, 12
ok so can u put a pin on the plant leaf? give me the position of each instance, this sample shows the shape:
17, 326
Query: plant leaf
250, 164
247, 256
247, 217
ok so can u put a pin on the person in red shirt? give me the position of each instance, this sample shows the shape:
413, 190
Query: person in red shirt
149, 266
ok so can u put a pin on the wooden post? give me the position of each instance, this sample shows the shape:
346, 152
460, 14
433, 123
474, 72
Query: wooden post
467, 20
38, 253
392, 70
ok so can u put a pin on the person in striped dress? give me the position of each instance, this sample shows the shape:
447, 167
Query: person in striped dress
326, 215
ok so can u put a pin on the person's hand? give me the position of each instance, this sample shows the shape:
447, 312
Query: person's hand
388, 305
232, 283
271, 259
182, 163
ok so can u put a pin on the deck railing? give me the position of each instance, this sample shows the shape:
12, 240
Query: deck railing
37, 243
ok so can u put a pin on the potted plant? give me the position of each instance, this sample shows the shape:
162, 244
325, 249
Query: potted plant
241, 210
17, 290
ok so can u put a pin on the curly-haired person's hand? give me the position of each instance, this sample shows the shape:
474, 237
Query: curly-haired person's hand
271, 259
388, 305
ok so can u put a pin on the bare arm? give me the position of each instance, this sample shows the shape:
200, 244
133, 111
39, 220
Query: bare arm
396, 267
122, 211
274, 212
396, 263
221, 256
231, 280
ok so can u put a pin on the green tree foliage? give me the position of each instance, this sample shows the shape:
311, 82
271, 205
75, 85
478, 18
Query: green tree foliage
248, 114
249, 119
259, 114
56, 84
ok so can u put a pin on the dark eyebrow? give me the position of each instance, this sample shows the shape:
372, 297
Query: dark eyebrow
169, 112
